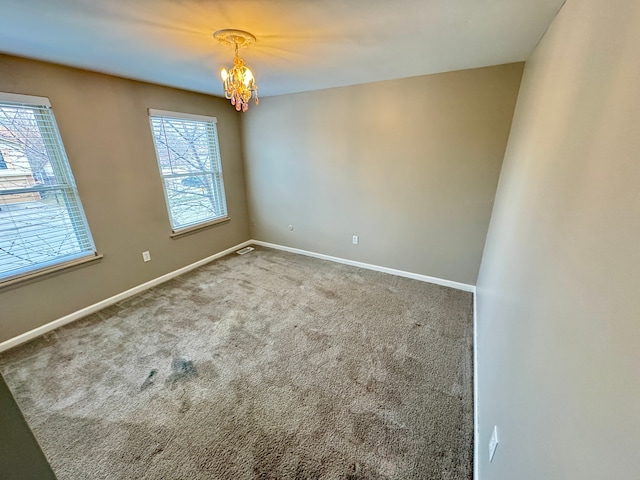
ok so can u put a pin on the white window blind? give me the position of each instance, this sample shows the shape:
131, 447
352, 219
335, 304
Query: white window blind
189, 160
42, 223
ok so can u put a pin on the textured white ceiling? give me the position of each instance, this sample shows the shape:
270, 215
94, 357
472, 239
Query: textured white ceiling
301, 44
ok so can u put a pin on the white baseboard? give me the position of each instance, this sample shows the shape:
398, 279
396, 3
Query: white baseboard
368, 266
36, 332
476, 436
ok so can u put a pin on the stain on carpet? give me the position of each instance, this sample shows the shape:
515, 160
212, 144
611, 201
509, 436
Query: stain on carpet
150, 380
182, 370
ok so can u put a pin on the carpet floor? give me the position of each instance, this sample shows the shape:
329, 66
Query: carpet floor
269, 365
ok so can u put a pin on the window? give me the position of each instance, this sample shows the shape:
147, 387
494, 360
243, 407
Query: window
189, 161
42, 223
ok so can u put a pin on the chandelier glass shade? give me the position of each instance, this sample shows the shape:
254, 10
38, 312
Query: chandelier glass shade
239, 82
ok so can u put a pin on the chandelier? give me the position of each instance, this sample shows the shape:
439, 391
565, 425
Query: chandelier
239, 82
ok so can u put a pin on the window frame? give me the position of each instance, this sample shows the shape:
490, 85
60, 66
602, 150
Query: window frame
65, 185
215, 175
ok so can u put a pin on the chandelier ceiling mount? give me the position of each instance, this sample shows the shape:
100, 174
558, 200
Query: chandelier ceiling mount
232, 37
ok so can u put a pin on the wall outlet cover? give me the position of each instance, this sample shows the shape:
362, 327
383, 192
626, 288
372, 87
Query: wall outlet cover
493, 443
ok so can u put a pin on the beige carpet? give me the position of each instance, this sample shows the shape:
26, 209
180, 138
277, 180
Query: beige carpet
268, 366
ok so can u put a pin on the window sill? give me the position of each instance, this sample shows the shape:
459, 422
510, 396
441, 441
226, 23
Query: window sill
200, 226
37, 274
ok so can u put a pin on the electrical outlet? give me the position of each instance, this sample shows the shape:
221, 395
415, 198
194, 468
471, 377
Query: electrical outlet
146, 256
355, 240
493, 443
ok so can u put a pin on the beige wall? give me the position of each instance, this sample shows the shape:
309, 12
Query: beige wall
414, 179
558, 292
105, 129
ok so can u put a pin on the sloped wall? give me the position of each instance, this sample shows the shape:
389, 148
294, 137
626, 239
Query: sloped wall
558, 305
